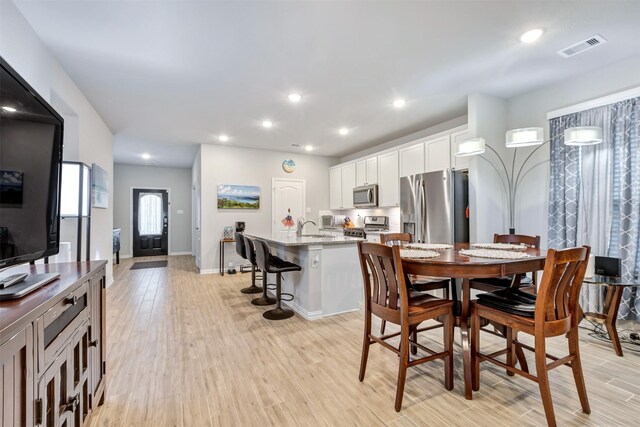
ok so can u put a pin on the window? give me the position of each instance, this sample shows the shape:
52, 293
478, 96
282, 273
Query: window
149, 214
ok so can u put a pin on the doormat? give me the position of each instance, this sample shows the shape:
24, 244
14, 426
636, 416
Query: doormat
148, 264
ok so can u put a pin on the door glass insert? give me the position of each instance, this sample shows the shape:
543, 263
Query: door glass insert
149, 214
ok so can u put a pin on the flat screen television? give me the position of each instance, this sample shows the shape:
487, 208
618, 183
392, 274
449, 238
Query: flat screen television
30, 172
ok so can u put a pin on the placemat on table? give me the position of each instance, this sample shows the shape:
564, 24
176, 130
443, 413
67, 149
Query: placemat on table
499, 246
491, 253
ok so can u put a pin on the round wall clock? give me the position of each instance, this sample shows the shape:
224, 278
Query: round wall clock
289, 165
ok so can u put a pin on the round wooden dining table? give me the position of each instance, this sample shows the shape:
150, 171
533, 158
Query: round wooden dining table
452, 264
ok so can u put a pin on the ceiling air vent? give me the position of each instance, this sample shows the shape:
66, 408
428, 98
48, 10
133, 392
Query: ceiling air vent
582, 46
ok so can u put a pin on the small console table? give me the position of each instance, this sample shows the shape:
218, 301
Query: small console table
615, 287
222, 242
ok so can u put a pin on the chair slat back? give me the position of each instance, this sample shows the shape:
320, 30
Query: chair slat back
396, 238
240, 249
262, 254
250, 250
384, 283
559, 293
517, 239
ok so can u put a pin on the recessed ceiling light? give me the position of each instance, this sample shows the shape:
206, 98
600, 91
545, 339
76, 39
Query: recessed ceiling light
531, 35
308, 147
145, 156
223, 138
343, 131
295, 97
9, 109
267, 124
399, 103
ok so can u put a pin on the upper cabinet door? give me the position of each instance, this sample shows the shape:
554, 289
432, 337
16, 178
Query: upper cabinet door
372, 170
361, 173
412, 160
348, 183
456, 139
438, 154
388, 180
335, 188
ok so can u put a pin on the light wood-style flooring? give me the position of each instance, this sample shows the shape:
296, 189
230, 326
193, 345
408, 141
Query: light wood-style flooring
190, 350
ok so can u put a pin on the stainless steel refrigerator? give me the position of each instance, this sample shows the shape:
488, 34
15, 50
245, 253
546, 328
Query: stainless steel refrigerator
435, 206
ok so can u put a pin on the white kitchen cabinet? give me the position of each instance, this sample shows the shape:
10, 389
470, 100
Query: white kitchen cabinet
335, 187
348, 183
372, 170
412, 160
373, 238
361, 173
437, 154
388, 179
456, 139
367, 171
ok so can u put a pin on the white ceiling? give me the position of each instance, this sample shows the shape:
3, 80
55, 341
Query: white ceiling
174, 73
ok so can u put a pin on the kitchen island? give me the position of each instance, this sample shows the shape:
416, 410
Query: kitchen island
330, 281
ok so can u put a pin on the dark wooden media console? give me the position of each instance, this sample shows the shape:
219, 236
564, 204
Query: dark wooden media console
53, 349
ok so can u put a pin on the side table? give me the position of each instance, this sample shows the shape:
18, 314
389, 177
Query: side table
615, 287
222, 242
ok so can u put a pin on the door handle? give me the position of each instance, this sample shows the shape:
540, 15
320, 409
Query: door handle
71, 405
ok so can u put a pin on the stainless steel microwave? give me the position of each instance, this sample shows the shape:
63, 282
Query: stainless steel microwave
366, 196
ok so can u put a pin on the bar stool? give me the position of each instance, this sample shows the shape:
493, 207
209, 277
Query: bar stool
242, 251
265, 299
277, 266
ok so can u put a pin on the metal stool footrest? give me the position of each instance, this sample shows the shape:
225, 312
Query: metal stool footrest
286, 297
271, 287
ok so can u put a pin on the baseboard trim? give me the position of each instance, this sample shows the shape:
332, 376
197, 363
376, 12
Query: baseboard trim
180, 253
210, 271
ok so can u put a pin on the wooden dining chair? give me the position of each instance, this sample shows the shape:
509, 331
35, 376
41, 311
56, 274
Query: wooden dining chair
496, 283
387, 296
553, 312
422, 284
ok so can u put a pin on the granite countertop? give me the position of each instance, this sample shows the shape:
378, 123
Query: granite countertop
286, 239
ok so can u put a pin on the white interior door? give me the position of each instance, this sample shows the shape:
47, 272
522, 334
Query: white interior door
287, 194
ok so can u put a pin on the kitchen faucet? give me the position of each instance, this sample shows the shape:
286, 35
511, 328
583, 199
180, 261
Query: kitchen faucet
301, 223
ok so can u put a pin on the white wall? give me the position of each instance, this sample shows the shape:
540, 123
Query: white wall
487, 195
530, 109
176, 180
89, 140
245, 166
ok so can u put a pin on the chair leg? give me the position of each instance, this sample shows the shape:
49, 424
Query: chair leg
475, 347
402, 369
510, 351
448, 346
365, 345
543, 381
382, 326
576, 367
414, 337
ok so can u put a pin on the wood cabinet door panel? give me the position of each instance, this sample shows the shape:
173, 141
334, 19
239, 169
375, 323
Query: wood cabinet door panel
16, 380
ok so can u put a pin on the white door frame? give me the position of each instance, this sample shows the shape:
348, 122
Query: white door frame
143, 187
273, 198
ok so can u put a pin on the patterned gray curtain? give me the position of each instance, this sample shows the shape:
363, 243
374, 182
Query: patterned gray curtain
594, 197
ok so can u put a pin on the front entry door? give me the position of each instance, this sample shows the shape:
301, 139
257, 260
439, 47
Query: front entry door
150, 222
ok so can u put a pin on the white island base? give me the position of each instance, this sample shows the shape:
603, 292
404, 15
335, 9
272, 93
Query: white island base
330, 281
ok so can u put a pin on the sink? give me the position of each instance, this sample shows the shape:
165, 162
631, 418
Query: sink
318, 236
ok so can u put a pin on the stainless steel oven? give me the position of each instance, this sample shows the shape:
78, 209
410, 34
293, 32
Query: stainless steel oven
366, 196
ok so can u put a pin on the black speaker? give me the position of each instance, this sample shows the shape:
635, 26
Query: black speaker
607, 266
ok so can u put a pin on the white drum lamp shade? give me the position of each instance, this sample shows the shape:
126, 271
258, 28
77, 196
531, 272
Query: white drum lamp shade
470, 147
583, 135
524, 137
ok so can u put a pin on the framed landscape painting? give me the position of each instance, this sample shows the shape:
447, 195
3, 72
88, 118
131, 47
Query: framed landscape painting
238, 196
